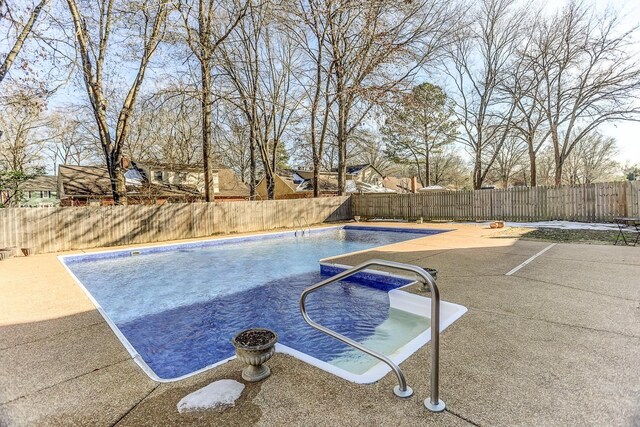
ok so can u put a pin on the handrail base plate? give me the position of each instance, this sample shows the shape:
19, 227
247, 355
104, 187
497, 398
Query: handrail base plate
434, 408
404, 394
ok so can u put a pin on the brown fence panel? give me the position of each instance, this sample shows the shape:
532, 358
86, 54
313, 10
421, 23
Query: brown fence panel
67, 228
601, 202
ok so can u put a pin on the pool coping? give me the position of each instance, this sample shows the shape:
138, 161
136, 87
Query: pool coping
372, 375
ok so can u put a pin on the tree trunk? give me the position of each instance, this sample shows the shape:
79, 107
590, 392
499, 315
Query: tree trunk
252, 161
342, 153
118, 182
557, 156
316, 175
558, 173
271, 185
341, 135
532, 165
427, 169
477, 172
205, 103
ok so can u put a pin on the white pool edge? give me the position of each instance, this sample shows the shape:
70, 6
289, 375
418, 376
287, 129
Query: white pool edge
400, 300
372, 375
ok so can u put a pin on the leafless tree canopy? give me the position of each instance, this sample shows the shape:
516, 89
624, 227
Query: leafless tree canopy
264, 85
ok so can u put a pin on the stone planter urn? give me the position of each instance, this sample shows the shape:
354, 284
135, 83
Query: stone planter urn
254, 347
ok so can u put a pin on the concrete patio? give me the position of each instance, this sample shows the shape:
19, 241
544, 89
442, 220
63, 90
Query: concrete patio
556, 343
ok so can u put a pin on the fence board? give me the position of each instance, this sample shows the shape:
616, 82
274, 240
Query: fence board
601, 202
67, 228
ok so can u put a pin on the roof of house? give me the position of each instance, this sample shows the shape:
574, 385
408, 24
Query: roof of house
400, 185
40, 183
365, 187
176, 167
350, 170
94, 181
309, 174
326, 182
356, 169
288, 181
230, 185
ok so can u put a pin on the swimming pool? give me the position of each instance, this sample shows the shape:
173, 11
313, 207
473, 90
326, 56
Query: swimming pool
176, 307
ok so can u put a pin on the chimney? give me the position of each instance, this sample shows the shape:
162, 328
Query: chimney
414, 184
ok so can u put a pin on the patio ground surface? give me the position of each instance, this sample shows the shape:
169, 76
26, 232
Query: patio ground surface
556, 343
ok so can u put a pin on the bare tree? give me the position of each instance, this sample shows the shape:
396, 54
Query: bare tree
524, 86
374, 47
591, 160
69, 142
509, 160
369, 148
449, 168
142, 25
478, 63
309, 30
259, 63
7, 15
588, 75
22, 125
231, 139
166, 128
208, 23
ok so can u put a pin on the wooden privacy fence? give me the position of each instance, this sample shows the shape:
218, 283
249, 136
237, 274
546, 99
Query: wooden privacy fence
600, 202
67, 228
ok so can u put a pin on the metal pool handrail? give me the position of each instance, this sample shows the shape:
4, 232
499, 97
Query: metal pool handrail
432, 403
298, 220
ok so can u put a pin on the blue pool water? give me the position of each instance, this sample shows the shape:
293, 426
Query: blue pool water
180, 306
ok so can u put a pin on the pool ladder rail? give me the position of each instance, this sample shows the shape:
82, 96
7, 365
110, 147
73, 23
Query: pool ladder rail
300, 226
433, 402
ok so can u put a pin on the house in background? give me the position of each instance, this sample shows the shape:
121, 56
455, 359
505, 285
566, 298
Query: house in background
365, 173
40, 191
91, 185
328, 181
401, 185
147, 183
173, 174
298, 183
226, 185
285, 188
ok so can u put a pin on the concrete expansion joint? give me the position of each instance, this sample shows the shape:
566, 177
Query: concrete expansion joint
135, 405
465, 419
48, 337
499, 313
64, 381
574, 288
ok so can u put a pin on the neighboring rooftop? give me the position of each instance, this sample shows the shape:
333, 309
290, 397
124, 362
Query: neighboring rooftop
230, 185
94, 181
177, 167
41, 183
